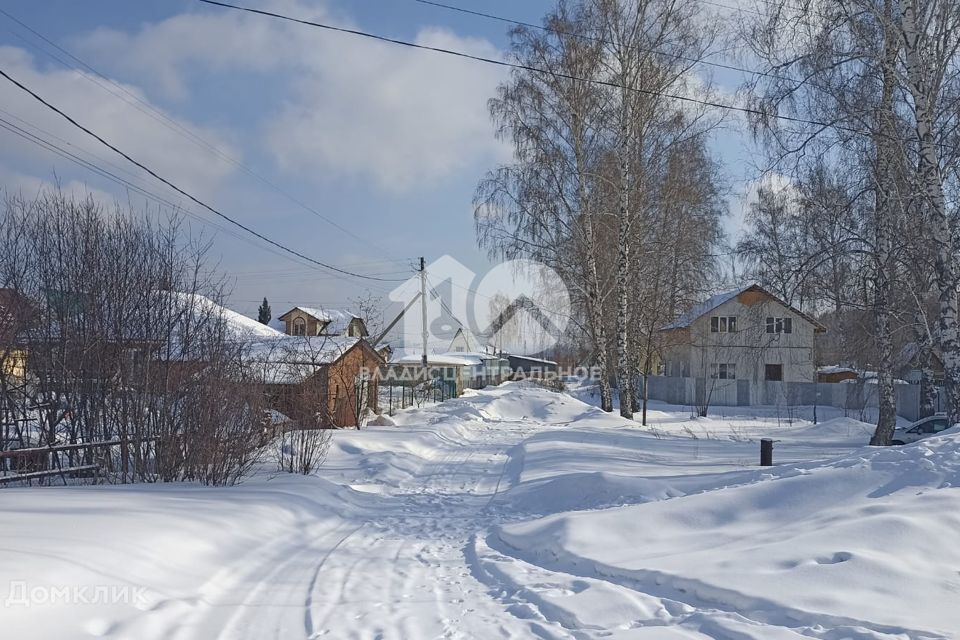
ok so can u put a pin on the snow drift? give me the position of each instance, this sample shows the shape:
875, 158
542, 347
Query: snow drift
862, 545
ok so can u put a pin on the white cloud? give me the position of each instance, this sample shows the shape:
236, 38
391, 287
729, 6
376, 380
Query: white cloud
403, 117
352, 107
220, 40
15, 183
128, 127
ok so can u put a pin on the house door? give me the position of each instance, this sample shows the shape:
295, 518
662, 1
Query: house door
773, 373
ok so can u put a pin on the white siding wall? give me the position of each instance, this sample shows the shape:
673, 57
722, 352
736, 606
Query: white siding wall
750, 348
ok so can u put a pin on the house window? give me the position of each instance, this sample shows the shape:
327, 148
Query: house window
723, 371
773, 373
299, 327
723, 324
779, 325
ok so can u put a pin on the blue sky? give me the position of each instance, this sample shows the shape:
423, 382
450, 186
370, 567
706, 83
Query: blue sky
387, 142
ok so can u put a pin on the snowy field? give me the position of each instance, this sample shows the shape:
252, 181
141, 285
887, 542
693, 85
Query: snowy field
514, 512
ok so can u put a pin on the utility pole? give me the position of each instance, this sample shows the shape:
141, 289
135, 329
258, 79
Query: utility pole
423, 308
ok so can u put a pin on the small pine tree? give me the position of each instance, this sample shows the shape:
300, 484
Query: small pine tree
264, 313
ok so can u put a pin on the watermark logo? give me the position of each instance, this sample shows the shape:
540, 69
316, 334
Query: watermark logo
519, 307
23, 594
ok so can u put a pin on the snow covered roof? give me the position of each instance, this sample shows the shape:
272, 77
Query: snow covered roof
300, 349
909, 353
442, 360
688, 318
293, 359
238, 326
337, 319
480, 355
835, 368
530, 358
869, 377
473, 341
705, 307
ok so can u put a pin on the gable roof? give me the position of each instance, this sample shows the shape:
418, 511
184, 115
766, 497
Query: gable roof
337, 319
293, 359
689, 317
473, 341
238, 327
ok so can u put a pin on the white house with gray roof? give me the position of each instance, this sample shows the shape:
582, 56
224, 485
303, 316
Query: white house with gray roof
744, 334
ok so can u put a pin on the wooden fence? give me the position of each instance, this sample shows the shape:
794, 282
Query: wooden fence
40, 463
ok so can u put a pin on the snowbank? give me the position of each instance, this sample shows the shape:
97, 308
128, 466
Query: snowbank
862, 545
139, 561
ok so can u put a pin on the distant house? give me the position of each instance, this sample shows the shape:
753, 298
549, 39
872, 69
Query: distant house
318, 381
308, 321
836, 373
907, 364
459, 370
449, 370
744, 334
385, 351
464, 341
530, 367
16, 312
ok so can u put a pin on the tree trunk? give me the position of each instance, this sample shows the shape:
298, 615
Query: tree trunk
595, 300
624, 373
624, 377
885, 212
928, 387
931, 189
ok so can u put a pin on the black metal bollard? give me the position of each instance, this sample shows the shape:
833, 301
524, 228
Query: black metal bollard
766, 452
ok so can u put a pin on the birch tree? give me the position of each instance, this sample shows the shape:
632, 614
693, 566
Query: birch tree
649, 50
836, 76
931, 41
543, 206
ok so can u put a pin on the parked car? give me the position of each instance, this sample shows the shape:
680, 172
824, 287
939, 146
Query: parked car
921, 429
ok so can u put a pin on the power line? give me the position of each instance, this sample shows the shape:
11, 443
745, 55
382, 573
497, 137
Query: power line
566, 76
525, 67
532, 25
173, 186
104, 173
123, 182
158, 115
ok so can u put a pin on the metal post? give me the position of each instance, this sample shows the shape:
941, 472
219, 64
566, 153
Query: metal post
423, 308
766, 452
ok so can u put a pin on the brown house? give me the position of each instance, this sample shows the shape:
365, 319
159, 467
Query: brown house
307, 321
319, 381
835, 374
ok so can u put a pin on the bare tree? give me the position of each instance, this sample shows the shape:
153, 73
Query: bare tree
544, 205
123, 349
931, 49
834, 66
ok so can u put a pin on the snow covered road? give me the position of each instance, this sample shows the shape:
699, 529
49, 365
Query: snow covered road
510, 513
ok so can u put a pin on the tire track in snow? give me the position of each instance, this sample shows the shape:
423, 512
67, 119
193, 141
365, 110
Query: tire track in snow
308, 620
688, 602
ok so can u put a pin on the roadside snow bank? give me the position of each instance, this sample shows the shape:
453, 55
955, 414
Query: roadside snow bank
860, 542
89, 561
